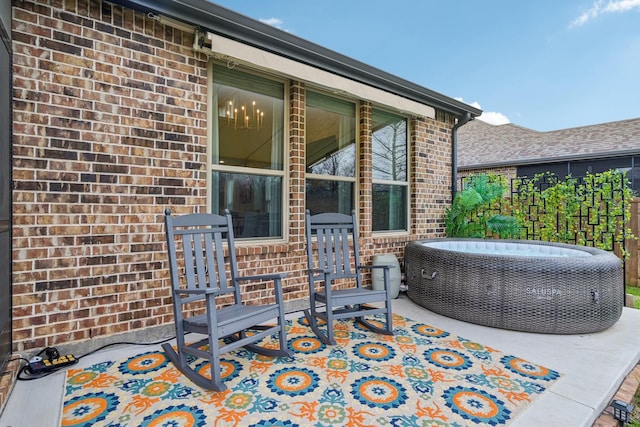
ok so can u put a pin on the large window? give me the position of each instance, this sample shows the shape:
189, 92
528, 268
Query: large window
390, 181
247, 158
331, 154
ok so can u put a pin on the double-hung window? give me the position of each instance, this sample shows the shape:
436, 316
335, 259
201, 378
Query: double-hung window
247, 161
390, 181
330, 153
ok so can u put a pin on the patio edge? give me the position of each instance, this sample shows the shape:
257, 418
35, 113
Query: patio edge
626, 393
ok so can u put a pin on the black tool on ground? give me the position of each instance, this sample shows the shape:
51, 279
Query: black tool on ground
49, 360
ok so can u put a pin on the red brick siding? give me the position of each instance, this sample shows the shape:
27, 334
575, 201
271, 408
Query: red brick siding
430, 161
296, 283
365, 175
509, 172
110, 127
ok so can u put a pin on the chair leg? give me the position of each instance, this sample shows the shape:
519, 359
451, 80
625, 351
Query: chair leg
311, 315
387, 330
329, 315
389, 319
214, 360
187, 371
313, 323
284, 345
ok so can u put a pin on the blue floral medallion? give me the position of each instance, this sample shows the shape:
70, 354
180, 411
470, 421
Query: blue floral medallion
371, 351
429, 331
448, 359
293, 381
307, 345
379, 392
88, 409
144, 363
176, 416
476, 405
528, 369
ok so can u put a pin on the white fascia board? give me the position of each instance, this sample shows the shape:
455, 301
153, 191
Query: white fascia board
224, 48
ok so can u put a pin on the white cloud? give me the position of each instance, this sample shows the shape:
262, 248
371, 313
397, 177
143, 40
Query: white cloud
490, 117
274, 22
475, 104
599, 7
494, 118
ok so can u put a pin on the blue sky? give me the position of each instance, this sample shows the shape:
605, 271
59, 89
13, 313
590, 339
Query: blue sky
545, 64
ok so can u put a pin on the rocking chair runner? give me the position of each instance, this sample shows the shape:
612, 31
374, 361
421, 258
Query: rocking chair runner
196, 247
332, 260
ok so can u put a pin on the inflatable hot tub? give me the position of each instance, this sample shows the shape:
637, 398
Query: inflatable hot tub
520, 285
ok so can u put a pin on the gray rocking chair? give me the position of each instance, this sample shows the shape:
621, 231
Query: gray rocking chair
196, 245
331, 261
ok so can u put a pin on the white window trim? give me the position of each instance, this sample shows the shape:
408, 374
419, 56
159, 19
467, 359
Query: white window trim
322, 177
406, 184
335, 178
239, 169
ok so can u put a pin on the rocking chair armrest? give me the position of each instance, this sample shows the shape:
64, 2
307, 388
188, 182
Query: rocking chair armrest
318, 273
276, 278
203, 291
272, 276
377, 266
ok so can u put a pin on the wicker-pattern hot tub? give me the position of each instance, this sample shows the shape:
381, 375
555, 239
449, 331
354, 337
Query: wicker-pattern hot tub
520, 285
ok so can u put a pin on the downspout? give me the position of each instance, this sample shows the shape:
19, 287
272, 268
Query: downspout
454, 153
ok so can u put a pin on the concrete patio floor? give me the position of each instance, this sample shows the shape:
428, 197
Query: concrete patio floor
592, 366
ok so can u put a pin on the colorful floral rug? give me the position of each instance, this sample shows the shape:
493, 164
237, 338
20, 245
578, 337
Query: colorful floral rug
421, 376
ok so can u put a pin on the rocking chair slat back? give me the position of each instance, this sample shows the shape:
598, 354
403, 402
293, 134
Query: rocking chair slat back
202, 240
335, 234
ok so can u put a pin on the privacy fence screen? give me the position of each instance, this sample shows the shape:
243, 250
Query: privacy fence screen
591, 210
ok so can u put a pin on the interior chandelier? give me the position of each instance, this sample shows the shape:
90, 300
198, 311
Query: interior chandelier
243, 117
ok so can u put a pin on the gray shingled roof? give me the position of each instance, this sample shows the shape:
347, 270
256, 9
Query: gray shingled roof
484, 145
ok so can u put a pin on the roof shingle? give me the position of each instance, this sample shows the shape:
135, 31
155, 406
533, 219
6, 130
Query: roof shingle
481, 144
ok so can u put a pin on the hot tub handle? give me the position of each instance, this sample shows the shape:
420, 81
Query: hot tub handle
595, 295
426, 276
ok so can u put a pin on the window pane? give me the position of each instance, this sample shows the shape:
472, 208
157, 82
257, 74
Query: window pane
254, 201
390, 207
329, 196
249, 120
330, 136
389, 146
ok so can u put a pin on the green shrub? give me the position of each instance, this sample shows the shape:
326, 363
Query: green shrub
593, 210
469, 214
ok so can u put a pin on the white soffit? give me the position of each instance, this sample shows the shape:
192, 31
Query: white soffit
250, 55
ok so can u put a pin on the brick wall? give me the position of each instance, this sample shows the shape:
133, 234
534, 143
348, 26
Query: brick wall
430, 160
509, 172
110, 127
